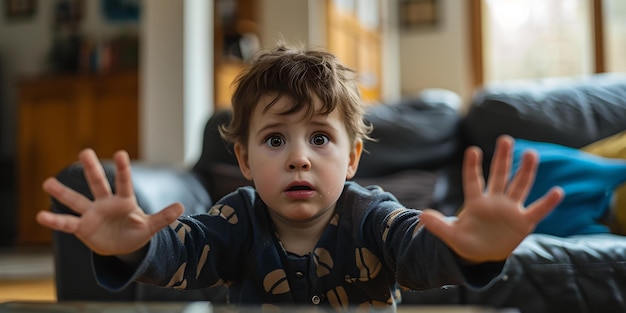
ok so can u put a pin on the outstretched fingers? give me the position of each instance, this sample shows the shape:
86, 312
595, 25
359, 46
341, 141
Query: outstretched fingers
500, 165
123, 179
523, 180
61, 222
94, 173
165, 217
72, 199
537, 210
437, 224
473, 181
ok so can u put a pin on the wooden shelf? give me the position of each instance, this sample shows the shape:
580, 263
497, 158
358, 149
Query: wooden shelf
60, 116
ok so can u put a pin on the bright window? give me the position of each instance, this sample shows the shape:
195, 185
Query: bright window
615, 31
537, 38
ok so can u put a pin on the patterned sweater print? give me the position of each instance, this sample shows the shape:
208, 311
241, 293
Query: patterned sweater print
371, 248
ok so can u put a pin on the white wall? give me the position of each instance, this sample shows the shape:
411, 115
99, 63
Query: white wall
391, 89
438, 57
176, 80
198, 56
286, 19
161, 93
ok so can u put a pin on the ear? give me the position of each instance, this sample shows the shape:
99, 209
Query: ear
242, 158
355, 157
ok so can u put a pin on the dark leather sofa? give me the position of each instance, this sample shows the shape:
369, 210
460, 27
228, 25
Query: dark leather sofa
417, 156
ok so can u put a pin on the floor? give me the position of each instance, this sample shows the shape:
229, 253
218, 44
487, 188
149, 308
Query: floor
27, 274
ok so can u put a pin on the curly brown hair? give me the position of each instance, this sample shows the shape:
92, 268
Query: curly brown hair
299, 74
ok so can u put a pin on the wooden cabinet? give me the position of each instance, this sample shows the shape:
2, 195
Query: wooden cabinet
233, 21
60, 116
354, 36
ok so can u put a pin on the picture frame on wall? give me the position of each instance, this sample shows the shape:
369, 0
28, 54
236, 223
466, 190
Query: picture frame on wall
416, 14
121, 10
19, 9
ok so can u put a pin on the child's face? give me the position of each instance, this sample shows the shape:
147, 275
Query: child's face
299, 165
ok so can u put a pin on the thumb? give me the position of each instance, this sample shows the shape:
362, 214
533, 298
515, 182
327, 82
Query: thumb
437, 223
166, 216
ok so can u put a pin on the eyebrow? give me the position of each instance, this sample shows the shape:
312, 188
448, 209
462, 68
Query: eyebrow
270, 126
312, 121
322, 124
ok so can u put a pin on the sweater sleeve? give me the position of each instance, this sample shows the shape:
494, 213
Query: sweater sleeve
421, 260
193, 252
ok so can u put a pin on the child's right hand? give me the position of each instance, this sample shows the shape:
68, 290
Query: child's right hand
111, 224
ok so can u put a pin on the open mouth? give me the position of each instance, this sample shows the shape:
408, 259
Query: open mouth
300, 191
299, 188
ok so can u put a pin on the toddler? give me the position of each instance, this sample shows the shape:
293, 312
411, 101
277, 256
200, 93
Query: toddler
304, 234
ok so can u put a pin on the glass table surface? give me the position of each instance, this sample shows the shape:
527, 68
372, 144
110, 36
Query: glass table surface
205, 307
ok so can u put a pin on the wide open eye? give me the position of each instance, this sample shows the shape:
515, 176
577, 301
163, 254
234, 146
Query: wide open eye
274, 141
319, 139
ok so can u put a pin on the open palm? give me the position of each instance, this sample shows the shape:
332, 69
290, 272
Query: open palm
111, 224
494, 220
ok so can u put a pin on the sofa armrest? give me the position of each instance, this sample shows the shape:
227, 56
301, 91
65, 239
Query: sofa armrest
553, 274
549, 274
155, 188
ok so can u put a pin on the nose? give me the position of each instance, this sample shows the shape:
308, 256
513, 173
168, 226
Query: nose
298, 160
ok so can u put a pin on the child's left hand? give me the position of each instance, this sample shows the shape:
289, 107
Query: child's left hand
494, 220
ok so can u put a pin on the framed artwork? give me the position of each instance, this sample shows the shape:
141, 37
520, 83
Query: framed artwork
418, 13
19, 9
121, 10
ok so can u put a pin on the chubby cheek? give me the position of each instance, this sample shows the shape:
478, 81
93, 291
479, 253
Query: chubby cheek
330, 194
264, 171
267, 184
334, 179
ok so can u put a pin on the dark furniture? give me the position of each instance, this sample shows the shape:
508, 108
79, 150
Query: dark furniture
59, 115
418, 157
197, 307
7, 184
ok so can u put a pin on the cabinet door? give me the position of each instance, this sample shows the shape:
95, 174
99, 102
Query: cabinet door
59, 118
49, 140
115, 115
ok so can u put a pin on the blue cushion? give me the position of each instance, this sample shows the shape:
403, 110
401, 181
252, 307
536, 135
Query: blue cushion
587, 180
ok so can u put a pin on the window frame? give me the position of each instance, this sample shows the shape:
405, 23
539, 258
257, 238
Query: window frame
476, 21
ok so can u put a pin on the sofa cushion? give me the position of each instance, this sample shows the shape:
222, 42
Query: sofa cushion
417, 132
613, 147
217, 166
226, 178
587, 180
570, 111
412, 188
